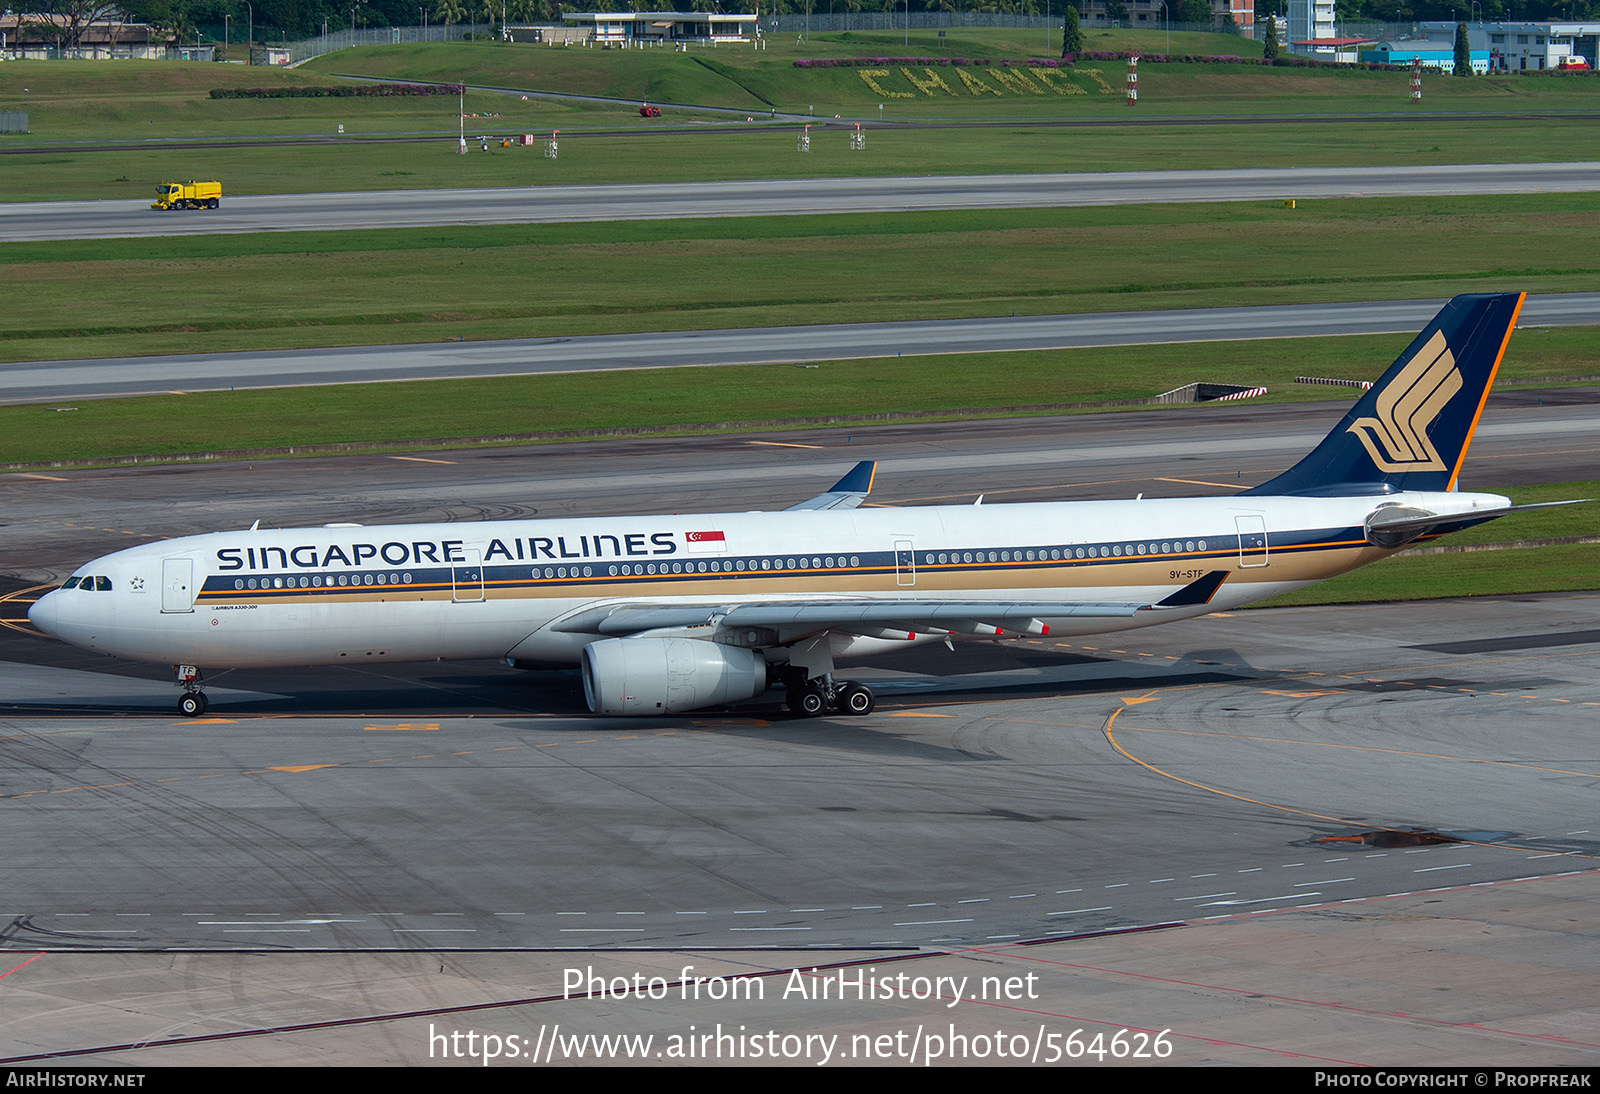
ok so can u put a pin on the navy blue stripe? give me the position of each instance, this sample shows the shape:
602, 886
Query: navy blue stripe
444, 580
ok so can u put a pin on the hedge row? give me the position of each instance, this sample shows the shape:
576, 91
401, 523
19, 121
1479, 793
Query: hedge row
1091, 55
380, 91
1282, 61
929, 62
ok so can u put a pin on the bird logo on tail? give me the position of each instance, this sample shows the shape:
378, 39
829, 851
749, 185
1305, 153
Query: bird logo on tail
1397, 438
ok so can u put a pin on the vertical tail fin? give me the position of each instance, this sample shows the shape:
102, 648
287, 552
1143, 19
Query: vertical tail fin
1411, 430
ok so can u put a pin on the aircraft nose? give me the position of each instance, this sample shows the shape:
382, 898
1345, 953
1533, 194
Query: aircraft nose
43, 613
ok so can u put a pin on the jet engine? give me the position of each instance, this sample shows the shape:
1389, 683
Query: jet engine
667, 675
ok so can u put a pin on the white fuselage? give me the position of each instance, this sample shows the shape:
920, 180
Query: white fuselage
347, 594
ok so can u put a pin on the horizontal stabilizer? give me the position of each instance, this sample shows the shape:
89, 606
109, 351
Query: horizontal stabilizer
1398, 525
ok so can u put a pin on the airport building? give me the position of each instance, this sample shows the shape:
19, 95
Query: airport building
1309, 21
1496, 47
1151, 14
1526, 47
1341, 50
662, 27
43, 37
1436, 53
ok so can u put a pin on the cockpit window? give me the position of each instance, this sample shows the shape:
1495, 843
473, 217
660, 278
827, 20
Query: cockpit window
102, 584
70, 583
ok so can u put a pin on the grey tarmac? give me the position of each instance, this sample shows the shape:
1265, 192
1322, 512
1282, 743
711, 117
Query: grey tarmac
775, 197
1212, 780
40, 381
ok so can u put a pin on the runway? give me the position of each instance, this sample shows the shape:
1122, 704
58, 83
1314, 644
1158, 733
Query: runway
41, 381
777, 197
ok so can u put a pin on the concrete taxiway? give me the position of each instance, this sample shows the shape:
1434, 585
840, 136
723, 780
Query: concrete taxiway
1358, 811
1019, 790
1254, 778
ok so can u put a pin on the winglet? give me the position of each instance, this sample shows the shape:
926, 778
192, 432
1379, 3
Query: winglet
847, 493
858, 480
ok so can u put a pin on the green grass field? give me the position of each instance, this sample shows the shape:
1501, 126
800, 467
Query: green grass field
102, 119
236, 292
695, 151
71, 100
1425, 577
767, 79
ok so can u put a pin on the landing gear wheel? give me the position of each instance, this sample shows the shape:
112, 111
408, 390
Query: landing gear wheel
812, 702
856, 698
193, 704
807, 700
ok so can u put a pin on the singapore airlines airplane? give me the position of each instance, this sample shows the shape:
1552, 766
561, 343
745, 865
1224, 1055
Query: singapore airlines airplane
674, 613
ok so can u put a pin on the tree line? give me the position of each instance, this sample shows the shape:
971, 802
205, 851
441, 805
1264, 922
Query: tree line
273, 19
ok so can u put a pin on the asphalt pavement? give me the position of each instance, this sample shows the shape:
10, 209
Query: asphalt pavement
773, 197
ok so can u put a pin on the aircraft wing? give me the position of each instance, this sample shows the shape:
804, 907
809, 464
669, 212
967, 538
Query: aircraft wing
847, 493
871, 616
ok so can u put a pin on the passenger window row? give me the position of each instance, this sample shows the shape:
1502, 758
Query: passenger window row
318, 581
729, 566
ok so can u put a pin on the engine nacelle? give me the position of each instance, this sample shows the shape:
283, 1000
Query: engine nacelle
667, 675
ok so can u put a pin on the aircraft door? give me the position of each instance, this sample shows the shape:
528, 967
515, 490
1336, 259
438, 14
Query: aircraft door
177, 585
466, 578
1252, 540
905, 562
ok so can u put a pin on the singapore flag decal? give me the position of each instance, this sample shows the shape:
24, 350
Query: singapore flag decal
706, 543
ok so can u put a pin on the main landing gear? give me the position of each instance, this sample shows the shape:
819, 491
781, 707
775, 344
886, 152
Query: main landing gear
193, 703
812, 698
